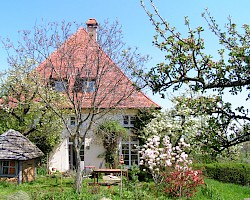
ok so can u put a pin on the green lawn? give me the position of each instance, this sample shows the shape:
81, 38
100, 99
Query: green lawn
226, 191
54, 188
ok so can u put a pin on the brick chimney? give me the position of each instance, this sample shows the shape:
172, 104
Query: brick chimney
92, 27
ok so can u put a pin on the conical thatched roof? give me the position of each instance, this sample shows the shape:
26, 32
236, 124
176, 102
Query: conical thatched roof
14, 146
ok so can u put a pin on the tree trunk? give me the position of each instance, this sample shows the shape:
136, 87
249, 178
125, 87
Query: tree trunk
78, 179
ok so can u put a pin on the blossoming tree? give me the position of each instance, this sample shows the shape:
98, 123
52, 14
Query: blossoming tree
159, 155
187, 64
187, 119
170, 163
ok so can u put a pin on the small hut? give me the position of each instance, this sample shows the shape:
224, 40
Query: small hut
18, 157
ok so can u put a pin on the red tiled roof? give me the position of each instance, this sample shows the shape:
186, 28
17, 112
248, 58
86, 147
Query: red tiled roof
79, 54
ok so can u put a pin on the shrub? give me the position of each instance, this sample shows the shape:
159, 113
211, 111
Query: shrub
42, 171
144, 176
169, 166
159, 156
227, 172
183, 183
110, 132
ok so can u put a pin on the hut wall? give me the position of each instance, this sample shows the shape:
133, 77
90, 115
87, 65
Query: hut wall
12, 179
29, 170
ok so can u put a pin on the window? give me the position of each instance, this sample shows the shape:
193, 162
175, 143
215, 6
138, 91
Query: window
8, 168
88, 72
72, 158
128, 121
72, 121
82, 153
88, 86
59, 85
84, 85
130, 151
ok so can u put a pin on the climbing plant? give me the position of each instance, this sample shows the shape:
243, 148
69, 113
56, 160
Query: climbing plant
111, 132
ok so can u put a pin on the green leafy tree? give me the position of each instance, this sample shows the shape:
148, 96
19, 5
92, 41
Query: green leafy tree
245, 152
22, 110
186, 63
143, 117
219, 132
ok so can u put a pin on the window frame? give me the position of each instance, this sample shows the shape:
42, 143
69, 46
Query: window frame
71, 153
130, 142
72, 121
59, 85
87, 85
128, 121
8, 167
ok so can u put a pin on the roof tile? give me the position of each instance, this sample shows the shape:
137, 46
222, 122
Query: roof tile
76, 56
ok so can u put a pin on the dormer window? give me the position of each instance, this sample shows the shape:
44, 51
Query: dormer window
59, 85
85, 85
89, 86
88, 72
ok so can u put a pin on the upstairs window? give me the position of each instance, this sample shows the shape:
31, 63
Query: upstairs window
85, 85
88, 72
89, 86
128, 121
59, 85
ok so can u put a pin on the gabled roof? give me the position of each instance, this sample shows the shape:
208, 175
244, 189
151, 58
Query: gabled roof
15, 146
85, 57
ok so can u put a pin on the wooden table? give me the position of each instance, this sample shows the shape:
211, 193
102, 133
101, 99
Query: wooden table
96, 172
88, 168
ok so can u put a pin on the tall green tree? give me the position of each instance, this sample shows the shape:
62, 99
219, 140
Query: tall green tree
187, 64
143, 117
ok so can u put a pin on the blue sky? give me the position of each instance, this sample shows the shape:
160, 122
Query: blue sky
23, 14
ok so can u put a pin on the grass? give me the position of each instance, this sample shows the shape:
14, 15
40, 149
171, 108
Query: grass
226, 191
46, 187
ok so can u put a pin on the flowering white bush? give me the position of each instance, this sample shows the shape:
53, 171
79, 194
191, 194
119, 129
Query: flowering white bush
174, 124
180, 123
159, 155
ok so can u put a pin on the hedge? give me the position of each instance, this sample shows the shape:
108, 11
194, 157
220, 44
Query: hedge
227, 172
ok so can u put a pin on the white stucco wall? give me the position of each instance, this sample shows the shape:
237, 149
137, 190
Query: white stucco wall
59, 158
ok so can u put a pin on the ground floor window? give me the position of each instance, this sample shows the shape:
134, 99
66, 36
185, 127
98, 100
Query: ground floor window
72, 158
8, 168
129, 151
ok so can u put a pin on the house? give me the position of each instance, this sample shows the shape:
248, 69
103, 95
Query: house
18, 157
94, 83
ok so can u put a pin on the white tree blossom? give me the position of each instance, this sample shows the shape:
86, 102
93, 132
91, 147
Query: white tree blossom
159, 155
